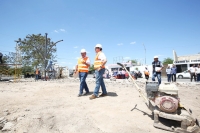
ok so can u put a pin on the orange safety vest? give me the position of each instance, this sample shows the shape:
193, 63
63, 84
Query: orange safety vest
82, 67
98, 62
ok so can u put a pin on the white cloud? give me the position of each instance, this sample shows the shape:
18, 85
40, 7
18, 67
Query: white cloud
120, 44
77, 58
75, 46
133, 43
127, 58
63, 30
56, 31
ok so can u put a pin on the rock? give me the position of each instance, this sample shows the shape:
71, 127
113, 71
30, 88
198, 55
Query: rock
6, 113
7, 126
1, 126
3, 120
19, 119
6, 110
27, 110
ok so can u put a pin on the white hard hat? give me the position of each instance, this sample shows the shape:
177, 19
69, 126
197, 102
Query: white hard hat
83, 51
98, 45
155, 57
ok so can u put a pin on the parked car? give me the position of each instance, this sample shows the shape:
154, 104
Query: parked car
184, 74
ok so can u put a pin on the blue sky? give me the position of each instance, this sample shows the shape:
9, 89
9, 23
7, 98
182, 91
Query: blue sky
121, 26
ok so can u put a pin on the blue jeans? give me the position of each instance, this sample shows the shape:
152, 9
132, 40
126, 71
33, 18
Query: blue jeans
169, 77
36, 77
99, 82
83, 84
158, 75
198, 77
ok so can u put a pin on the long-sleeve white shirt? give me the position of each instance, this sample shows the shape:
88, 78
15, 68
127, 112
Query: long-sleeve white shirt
168, 70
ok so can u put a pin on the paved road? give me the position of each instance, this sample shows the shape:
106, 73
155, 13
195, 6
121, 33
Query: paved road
163, 79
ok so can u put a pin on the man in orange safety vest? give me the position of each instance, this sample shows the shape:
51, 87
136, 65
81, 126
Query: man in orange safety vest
83, 67
99, 66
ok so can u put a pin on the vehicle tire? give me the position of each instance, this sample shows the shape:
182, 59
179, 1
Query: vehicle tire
180, 76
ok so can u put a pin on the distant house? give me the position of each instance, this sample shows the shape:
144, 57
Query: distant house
184, 62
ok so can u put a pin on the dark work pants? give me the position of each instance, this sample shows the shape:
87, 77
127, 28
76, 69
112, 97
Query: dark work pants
147, 76
169, 77
198, 77
173, 77
1, 60
192, 75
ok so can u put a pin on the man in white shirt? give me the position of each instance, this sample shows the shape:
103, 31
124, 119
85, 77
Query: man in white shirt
99, 66
83, 68
192, 71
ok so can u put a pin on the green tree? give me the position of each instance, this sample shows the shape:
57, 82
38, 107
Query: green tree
168, 61
91, 68
33, 50
133, 61
26, 69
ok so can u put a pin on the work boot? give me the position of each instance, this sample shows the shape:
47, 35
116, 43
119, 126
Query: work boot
102, 95
92, 97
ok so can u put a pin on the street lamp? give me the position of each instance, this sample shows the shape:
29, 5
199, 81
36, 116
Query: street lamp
46, 43
145, 53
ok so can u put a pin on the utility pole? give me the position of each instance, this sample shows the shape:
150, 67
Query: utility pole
144, 53
45, 61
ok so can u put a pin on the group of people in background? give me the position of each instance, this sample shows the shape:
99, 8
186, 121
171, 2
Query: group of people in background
193, 70
194, 73
171, 73
121, 74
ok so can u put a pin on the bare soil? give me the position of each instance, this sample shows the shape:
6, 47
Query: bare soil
53, 107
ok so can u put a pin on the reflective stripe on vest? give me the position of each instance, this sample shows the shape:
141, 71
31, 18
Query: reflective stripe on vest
82, 67
98, 62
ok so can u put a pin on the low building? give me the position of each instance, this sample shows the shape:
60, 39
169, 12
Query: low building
184, 62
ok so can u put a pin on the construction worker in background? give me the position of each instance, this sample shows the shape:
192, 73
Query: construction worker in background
83, 68
157, 69
146, 73
37, 72
99, 66
1, 56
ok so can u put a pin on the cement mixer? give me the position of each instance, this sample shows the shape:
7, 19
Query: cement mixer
168, 113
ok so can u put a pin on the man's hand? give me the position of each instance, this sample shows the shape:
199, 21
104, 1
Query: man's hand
159, 70
99, 68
